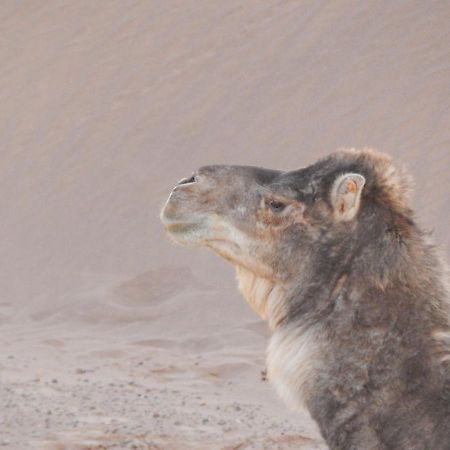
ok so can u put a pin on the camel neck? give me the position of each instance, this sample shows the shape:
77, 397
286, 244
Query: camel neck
265, 296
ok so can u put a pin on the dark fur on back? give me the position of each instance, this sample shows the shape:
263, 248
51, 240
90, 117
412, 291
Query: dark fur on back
375, 289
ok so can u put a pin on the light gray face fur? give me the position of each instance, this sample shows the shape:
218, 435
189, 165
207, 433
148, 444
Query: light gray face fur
353, 291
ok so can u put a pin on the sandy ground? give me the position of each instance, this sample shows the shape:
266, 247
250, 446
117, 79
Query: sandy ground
111, 337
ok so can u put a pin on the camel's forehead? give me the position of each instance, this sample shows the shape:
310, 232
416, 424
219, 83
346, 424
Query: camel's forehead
310, 178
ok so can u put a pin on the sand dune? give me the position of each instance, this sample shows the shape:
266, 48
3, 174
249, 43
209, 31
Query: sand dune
111, 336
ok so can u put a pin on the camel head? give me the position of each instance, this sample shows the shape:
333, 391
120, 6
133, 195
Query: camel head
277, 223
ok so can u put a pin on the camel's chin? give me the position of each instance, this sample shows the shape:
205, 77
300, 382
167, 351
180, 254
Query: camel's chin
189, 234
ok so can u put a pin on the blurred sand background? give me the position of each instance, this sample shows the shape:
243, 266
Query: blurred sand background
112, 337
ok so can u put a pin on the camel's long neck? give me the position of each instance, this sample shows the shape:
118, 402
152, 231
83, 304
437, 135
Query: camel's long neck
266, 297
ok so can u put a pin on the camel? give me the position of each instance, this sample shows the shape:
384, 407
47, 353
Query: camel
352, 289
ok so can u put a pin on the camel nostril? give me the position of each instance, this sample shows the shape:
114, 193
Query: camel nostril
192, 179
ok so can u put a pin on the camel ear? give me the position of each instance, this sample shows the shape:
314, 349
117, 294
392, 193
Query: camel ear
346, 196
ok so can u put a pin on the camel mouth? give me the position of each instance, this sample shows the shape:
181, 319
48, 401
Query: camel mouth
175, 216
181, 227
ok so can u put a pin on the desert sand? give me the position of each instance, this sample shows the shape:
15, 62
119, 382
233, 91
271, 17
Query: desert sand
111, 337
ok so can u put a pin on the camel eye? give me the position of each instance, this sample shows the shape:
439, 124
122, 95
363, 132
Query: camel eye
276, 206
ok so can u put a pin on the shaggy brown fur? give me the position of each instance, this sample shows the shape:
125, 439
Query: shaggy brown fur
353, 290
